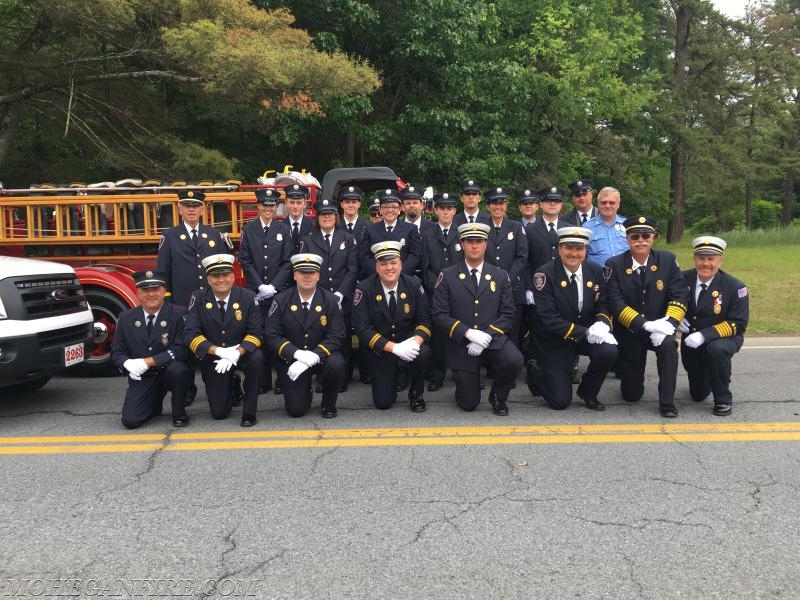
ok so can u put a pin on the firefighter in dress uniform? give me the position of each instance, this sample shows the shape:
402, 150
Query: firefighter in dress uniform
474, 304
390, 228
305, 329
391, 317
571, 320
224, 331
713, 330
647, 297
149, 347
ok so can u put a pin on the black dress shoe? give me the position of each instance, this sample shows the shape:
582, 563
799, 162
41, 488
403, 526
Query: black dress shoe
434, 386
278, 389
328, 412
402, 386
180, 421
668, 411
499, 407
722, 410
417, 404
248, 420
264, 389
594, 404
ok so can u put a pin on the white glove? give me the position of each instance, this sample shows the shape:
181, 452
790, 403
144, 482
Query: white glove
474, 349
667, 328
267, 290
695, 340
529, 297
231, 354
135, 377
684, 326
657, 338
609, 339
481, 338
405, 351
223, 365
339, 298
596, 333
136, 366
307, 357
296, 369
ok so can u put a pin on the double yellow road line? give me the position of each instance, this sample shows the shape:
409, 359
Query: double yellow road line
411, 436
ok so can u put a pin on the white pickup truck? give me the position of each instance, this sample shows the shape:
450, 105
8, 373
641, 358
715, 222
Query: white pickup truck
46, 324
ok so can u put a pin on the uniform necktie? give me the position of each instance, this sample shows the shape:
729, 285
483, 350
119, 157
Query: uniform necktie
703, 288
305, 306
475, 279
444, 231
150, 319
266, 230
328, 240
573, 287
553, 234
584, 217
471, 218
194, 236
295, 233
389, 228
392, 304
349, 228
221, 309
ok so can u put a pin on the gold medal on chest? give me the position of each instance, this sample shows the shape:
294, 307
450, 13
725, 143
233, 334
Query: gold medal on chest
660, 285
493, 286
323, 320
406, 309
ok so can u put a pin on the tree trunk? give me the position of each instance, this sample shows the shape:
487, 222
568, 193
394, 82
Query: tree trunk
788, 197
8, 128
351, 148
677, 187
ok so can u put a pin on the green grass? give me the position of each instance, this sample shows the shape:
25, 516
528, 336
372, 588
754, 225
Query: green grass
769, 265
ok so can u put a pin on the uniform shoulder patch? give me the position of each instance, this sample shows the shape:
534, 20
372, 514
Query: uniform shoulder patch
539, 281
273, 308
741, 292
192, 300
421, 291
607, 272
439, 279
357, 295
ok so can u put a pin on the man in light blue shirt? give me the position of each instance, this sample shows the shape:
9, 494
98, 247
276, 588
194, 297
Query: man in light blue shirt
608, 234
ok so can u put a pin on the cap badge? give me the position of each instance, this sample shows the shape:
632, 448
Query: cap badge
642, 219
190, 194
470, 182
388, 191
579, 184
527, 192
351, 189
553, 190
325, 203
445, 196
499, 190
410, 188
149, 274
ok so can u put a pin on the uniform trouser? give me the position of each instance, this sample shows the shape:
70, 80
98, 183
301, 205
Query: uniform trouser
347, 347
516, 326
504, 364
266, 372
297, 394
144, 399
219, 386
438, 363
709, 368
384, 369
554, 377
632, 360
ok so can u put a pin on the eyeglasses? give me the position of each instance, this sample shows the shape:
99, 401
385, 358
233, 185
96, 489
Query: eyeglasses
635, 236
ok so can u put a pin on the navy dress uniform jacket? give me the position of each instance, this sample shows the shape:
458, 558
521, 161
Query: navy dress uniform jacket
438, 253
339, 269
573, 217
458, 307
358, 228
306, 225
404, 232
242, 324
482, 217
181, 260
724, 309
542, 247
508, 249
265, 259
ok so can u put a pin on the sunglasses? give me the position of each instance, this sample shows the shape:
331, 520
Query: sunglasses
635, 236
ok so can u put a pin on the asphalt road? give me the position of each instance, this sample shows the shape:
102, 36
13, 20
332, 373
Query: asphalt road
540, 504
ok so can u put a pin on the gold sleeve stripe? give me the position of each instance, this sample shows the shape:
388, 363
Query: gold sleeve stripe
724, 329
283, 345
627, 315
328, 352
425, 329
374, 339
569, 331
195, 343
497, 329
253, 340
606, 317
676, 310
453, 328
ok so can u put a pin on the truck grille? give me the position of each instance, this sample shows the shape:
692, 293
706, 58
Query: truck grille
64, 337
50, 296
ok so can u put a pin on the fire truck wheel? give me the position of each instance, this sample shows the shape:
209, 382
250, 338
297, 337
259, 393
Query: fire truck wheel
106, 308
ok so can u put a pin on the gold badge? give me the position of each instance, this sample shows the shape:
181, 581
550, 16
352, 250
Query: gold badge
293, 307
406, 309
462, 276
378, 298
318, 308
563, 284
323, 320
209, 305
493, 286
137, 323
717, 309
183, 236
402, 295
653, 268
211, 244
660, 285
238, 315
588, 284
203, 235
235, 305
629, 271
487, 277
714, 294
